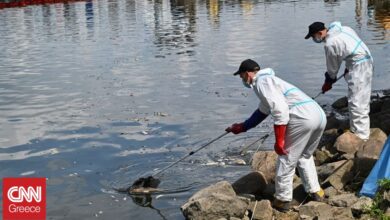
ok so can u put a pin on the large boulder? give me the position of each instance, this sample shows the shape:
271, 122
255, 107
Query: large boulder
369, 152
343, 200
261, 210
348, 143
253, 183
265, 162
214, 202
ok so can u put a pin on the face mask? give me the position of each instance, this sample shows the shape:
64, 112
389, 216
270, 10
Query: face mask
317, 40
247, 85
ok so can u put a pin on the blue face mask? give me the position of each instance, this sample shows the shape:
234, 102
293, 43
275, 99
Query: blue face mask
317, 40
247, 85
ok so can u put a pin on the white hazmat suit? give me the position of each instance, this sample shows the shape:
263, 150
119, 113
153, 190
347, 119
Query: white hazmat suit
305, 122
342, 43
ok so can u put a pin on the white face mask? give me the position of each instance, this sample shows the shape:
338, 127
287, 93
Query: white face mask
318, 40
247, 85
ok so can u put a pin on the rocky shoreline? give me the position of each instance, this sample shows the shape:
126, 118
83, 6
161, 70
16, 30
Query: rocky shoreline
343, 162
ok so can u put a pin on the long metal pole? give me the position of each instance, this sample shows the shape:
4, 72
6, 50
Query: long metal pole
191, 153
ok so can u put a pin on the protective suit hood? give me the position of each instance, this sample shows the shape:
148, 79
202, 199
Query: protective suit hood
334, 29
261, 73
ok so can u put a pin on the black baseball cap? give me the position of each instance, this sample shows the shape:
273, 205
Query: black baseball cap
247, 65
314, 28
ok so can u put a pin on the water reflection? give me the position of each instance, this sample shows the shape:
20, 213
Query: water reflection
180, 33
380, 9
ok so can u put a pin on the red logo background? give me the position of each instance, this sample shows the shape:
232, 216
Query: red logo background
9, 206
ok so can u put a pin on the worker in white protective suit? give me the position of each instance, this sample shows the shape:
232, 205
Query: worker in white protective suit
298, 124
342, 43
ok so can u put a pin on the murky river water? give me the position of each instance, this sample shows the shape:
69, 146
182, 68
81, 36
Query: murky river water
95, 94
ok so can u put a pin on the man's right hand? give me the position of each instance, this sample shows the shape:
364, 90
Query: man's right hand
236, 128
328, 83
326, 87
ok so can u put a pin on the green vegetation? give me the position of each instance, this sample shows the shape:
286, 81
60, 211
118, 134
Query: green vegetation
379, 206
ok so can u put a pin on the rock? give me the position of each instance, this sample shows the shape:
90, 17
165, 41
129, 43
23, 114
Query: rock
381, 120
319, 210
340, 103
265, 162
285, 216
348, 143
214, 202
369, 152
325, 170
263, 210
341, 213
360, 205
342, 175
329, 138
335, 123
330, 191
387, 212
343, 200
376, 106
385, 202
253, 183
322, 156
313, 210
238, 161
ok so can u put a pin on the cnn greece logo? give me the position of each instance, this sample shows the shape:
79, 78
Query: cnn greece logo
28, 194
24, 198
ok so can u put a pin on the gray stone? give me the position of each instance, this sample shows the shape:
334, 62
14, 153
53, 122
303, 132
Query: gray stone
325, 170
348, 143
285, 216
265, 162
214, 202
340, 103
322, 156
263, 210
387, 212
369, 152
253, 183
340, 214
318, 210
313, 210
330, 191
342, 175
343, 200
359, 206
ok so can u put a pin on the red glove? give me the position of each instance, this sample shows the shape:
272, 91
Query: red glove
280, 132
326, 87
236, 128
